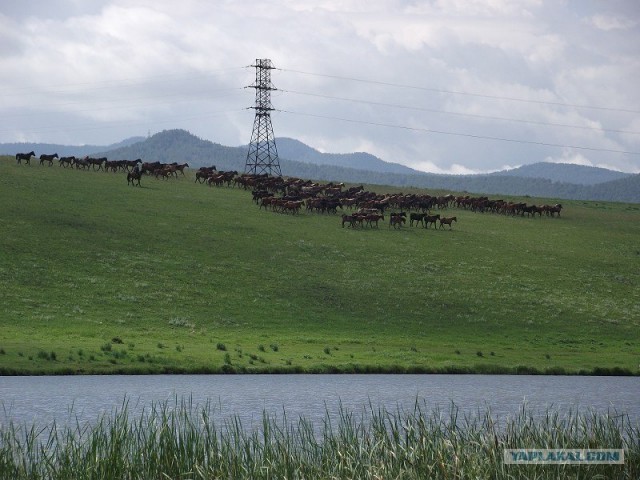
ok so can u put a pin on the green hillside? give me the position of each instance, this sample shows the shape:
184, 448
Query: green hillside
100, 277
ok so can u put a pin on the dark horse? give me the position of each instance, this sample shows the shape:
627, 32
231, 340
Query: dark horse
133, 178
447, 221
48, 158
25, 156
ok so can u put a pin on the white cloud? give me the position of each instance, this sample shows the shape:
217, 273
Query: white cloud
453, 169
611, 22
573, 158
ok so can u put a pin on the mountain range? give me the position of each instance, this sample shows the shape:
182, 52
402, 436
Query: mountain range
549, 180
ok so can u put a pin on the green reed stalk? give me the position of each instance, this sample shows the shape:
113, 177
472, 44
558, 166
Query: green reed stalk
181, 440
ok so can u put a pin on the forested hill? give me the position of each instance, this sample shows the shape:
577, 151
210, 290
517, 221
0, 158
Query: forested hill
564, 172
299, 160
296, 150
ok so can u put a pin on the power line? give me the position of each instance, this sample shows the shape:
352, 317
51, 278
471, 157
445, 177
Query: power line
468, 135
472, 115
177, 77
456, 92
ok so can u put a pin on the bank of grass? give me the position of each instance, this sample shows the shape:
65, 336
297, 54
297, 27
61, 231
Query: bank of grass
99, 277
187, 441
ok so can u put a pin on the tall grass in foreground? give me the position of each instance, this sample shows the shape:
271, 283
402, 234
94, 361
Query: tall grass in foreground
183, 441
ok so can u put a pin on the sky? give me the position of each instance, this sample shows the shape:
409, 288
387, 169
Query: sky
443, 86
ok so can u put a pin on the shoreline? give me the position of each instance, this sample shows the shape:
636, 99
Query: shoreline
330, 370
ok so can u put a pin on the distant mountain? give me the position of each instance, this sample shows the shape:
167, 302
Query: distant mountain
63, 150
125, 143
544, 180
565, 172
623, 190
295, 150
182, 147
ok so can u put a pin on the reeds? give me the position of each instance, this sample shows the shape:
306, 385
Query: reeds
180, 440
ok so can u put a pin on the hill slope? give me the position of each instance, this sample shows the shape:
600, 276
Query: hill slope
180, 277
297, 151
565, 173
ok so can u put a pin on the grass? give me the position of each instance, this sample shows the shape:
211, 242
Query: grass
84, 259
187, 441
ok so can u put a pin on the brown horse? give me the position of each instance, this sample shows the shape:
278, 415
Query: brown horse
180, 168
374, 218
428, 219
396, 221
447, 221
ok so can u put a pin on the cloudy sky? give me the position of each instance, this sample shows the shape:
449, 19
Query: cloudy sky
446, 86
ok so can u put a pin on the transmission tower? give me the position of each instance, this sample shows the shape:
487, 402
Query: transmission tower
262, 156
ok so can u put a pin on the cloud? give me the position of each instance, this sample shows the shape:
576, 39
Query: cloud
610, 22
449, 86
453, 169
573, 158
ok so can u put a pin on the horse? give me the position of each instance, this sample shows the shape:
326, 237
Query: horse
25, 156
555, 209
133, 178
418, 218
48, 158
293, 207
531, 211
180, 168
447, 221
204, 173
167, 171
217, 180
93, 162
374, 218
431, 219
348, 219
397, 219
81, 163
66, 161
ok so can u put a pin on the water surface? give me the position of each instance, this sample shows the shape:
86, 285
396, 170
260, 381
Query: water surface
41, 400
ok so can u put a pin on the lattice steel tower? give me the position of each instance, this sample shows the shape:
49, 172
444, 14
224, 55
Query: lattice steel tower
263, 154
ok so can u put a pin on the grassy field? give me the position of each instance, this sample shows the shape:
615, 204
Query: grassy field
99, 277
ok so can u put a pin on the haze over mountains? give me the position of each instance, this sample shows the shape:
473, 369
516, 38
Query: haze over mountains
549, 180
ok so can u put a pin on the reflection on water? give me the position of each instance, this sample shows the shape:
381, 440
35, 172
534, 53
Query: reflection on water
40, 400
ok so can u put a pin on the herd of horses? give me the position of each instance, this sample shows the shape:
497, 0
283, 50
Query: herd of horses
359, 208
367, 209
291, 195
370, 218
134, 169
43, 158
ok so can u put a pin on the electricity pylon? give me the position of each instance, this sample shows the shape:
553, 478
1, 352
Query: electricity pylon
262, 156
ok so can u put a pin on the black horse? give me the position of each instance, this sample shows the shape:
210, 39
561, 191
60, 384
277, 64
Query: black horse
25, 156
48, 158
133, 178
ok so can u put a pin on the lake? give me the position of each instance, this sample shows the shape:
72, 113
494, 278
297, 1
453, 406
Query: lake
65, 399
